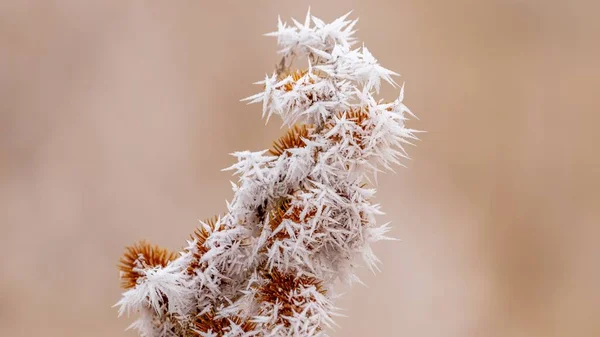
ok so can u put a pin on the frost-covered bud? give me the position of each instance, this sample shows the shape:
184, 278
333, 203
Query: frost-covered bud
302, 96
163, 289
314, 34
292, 305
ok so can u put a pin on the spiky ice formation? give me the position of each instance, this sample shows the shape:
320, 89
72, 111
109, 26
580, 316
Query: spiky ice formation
301, 213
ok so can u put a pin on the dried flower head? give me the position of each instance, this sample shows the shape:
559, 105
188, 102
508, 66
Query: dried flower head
290, 294
294, 138
140, 256
209, 324
200, 235
301, 213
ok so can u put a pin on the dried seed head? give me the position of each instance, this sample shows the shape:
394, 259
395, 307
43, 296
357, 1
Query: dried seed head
296, 75
293, 138
304, 196
287, 290
285, 210
356, 115
210, 324
141, 256
201, 234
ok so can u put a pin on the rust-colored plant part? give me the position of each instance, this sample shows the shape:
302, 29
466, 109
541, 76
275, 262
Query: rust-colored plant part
299, 81
286, 211
293, 138
140, 256
359, 116
209, 324
201, 234
288, 292
296, 75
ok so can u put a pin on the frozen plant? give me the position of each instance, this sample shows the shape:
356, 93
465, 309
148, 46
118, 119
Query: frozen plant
302, 212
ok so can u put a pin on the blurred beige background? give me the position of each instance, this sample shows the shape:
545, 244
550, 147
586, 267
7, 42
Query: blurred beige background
117, 116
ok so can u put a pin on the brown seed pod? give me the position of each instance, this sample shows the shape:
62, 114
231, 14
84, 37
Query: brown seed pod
209, 322
296, 75
293, 138
286, 211
356, 115
285, 290
201, 235
141, 255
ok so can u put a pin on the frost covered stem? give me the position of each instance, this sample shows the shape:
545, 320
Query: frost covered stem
302, 213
